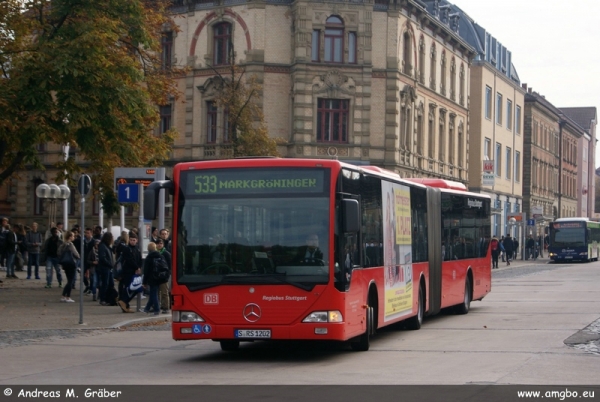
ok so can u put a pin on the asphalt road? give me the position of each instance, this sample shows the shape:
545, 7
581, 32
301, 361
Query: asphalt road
516, 335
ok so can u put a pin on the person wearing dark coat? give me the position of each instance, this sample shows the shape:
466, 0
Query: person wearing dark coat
131, 261
149, 282
508, 248
310, 253
106, 261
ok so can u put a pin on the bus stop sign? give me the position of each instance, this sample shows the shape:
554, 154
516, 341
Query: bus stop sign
530, 222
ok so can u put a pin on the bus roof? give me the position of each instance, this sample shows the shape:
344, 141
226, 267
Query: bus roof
572, 219
440, 183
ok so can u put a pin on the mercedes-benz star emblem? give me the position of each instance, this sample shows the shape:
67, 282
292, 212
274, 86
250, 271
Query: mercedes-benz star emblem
252, 312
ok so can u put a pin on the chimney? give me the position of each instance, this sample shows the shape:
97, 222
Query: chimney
524, 86
529, 90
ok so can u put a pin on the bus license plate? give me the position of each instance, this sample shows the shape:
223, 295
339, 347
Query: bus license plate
252, 333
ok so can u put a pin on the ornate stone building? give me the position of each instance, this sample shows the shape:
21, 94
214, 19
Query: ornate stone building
382, 83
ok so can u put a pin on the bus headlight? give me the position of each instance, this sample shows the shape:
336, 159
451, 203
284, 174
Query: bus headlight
186, 316
324, 316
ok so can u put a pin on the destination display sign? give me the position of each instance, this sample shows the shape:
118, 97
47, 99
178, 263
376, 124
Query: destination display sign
254, 181
566, 225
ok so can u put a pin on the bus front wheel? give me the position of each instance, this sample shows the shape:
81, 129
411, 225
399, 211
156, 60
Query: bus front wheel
362, 343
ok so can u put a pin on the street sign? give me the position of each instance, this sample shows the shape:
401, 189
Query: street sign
530, 222
488, 179
488, 166
128, 193
84, 184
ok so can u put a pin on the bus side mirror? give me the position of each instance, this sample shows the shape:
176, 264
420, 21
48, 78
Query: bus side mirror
151, 197
351, 215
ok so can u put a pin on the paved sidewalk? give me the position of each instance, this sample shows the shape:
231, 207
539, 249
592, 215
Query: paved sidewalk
25, 304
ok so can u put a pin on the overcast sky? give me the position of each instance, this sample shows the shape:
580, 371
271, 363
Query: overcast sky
554, 45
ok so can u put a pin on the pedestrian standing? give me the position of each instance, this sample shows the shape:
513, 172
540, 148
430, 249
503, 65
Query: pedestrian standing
495, 247
11, 252
163, 287
50, 252
33, 239
148, 280
508, 248
69, 266
106, 262
131, 261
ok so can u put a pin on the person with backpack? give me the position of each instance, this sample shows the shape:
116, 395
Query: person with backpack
163, 287
495, 247
150, 281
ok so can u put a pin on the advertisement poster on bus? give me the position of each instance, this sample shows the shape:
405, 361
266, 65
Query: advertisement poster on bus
397, 250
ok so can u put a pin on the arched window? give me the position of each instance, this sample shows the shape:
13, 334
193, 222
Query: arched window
222, 43
420, 132
407, 54
461, 144
432, 67
334, 40
451, 149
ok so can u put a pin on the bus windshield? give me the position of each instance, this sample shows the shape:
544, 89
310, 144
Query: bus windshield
568, 237
249, 237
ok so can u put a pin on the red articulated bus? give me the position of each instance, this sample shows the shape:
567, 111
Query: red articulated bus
317, 249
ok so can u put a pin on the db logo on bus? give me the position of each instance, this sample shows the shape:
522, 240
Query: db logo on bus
211, 298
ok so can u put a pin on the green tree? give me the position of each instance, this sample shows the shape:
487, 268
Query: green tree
87, 73
239, 94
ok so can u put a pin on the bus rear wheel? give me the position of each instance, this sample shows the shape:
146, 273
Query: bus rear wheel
464, 307
414, 323
362, 343
229, 345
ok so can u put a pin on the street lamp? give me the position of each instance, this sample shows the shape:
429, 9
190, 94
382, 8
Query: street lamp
52, 192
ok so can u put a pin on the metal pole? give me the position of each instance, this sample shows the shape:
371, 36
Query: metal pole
82, 261
141, 235
66, 201
160, 175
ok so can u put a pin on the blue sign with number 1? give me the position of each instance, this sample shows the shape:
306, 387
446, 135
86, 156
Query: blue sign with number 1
128, 193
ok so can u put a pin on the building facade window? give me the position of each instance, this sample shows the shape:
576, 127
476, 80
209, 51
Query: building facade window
420, 129
442, 137
518, 119
461, 95
498, 160
487, 149
451, 150
461, 144
431, 132
334, 40
332, 120
316, 45
443, 73
498, 108
351, 47
407, 54
453, 79
211, 122
488, 103
509, 114
422, 59
222, 43
165, 118
432, 67
166, 55
508, 163
38, 203
517, 166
